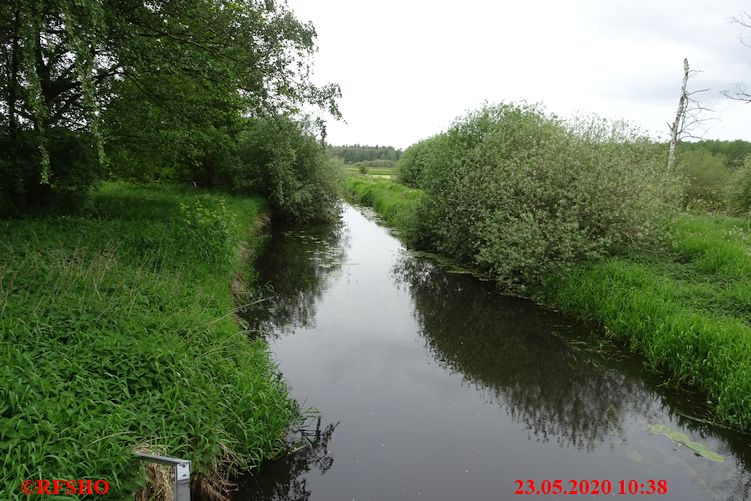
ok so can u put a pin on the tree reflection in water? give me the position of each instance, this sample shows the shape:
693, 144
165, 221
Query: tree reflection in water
504, 347
544, 372
559, 387
286, 477
294, 270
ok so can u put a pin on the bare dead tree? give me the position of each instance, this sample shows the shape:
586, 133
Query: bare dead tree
689, 115
741, 93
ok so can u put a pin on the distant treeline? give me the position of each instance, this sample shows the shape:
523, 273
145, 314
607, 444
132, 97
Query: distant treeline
355, 153
735, 152
717, 175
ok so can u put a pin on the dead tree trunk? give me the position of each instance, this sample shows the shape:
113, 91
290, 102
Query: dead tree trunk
680, 116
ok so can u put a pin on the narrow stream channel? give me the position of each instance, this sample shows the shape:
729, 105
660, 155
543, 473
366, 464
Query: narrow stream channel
430, 384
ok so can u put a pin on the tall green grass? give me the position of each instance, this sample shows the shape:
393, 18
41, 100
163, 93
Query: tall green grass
686, 309
384, 172
117, 332
395, 203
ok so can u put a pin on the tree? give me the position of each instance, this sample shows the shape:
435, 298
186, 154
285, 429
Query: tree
687, 116
735, 152
193, 65
50, 52
282, 159
361, 153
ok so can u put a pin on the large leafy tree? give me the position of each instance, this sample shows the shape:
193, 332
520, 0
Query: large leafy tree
133, 74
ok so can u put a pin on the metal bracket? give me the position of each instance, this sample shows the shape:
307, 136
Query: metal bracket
181, 470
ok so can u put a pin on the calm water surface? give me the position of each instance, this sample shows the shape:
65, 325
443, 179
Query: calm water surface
430, 384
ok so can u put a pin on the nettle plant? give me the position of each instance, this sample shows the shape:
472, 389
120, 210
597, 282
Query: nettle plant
209, 232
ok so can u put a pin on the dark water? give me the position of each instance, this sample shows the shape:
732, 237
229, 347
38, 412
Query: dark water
430, 384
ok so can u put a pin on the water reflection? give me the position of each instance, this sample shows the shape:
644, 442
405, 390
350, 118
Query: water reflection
286, 477
518, 354
446, 389
561, 387
295, 269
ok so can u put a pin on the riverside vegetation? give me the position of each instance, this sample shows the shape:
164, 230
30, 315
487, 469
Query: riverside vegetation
117, 300
118, 335
583, 215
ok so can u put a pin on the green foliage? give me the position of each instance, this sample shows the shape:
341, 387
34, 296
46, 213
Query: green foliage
114, 336
414, 162
363, 169
379, 164
687, 310
170, 82
21, 179
740, 193
281, 159
360, 153
196, 143
210, 232
396, 204
707, 180
520, 194
74, 170
733, 152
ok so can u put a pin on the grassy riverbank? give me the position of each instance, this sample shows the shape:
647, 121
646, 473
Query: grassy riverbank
118, 334
385, 172
687, 310
395, 203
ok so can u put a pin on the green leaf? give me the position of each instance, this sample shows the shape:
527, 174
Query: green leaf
683, 439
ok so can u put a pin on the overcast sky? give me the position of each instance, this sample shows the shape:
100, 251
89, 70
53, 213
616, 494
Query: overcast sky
407, 68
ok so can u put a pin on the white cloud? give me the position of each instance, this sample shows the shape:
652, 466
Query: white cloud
407, 68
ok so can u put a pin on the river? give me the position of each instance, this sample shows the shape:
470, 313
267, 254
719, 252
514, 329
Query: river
430, 384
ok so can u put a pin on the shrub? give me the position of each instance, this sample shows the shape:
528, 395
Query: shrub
281, 159
19, 171
740, 194
707, 180
413, 162
521, 194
